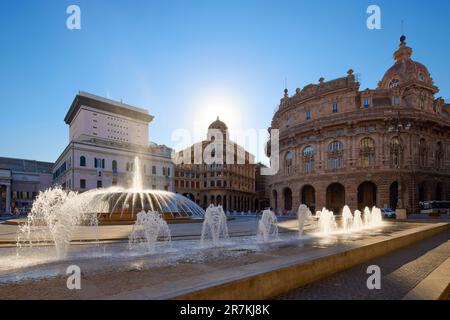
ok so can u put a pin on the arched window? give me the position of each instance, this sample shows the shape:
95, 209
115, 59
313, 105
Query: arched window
114, 166
308, 159
288, 162
394, 83
423, 153
82, 161
439, 155
335, 155
396, 152
420, 76
367, 152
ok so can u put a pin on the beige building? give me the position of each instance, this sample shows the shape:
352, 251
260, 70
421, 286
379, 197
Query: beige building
388, 146
207, 178
21, 181
105, 137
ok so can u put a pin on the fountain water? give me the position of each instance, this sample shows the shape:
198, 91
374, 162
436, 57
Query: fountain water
54, 217
367, 217
347, 218
57, 213
148, 229
357, 221
376, 218
303, 214
214, 225
327, 222
267, 226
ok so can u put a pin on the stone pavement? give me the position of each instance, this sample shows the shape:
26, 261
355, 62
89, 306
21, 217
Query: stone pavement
401, 271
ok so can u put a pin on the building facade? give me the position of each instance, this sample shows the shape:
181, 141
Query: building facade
262, 200
217, 171
388, 146
20, 183
105, 137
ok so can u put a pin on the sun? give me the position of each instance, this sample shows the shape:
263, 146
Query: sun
229, 108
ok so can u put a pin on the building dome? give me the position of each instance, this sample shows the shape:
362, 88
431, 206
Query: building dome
405, 69
219, 125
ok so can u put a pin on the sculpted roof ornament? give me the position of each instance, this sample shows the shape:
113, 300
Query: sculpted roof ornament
405, 69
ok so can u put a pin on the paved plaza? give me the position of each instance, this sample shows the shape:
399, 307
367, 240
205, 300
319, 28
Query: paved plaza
401, 271
113, 272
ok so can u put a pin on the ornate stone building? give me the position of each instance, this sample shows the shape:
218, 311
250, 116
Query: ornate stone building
388, 146
217, 171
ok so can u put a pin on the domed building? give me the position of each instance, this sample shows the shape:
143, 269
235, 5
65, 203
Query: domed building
217, 171
388, 146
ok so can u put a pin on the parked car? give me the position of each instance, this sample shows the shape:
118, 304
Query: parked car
388, 213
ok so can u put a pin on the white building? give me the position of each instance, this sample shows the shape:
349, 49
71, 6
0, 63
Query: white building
105, 137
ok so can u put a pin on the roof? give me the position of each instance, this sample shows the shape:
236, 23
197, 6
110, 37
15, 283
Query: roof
23, 165
220, 125
100, 103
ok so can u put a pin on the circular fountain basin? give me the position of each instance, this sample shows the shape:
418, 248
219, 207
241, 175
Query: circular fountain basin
117, 206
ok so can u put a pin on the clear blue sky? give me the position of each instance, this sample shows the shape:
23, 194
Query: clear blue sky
179, 58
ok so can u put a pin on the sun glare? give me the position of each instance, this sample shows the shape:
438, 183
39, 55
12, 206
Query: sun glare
225, 106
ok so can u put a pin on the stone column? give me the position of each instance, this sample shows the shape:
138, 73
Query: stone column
321, 198
351, 194
8, 199
295, 198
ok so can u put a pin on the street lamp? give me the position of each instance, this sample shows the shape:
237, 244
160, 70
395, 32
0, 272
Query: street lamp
397, 126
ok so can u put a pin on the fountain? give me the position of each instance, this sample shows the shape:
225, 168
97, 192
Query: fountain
54, 216
327, 222
367, 217
214, 225
357, 221
376, 218
303, 214
56, 213
267, 227
347, 218
148, 229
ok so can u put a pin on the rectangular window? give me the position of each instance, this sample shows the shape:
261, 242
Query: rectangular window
366, 102
308, 115
99, 183
154, 170
395, 101
212, 183
335, 107
82, 184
